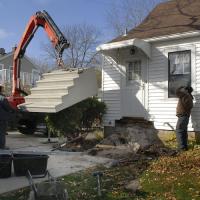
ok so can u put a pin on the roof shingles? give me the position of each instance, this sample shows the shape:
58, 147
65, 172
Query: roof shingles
172, 17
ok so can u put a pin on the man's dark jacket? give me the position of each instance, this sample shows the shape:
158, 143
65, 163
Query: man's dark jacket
6, 111
185, 102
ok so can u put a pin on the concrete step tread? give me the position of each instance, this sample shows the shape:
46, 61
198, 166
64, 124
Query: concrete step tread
48, 95
66, 79
41, 105
57, 87
53, 97
60, 72
44, 97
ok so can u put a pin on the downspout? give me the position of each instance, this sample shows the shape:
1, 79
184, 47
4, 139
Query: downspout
147, 88
102, 78
102, 86
118, 58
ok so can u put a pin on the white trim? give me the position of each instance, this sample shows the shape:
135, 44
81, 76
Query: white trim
180, 48
10, 73
102, 76
32, 75
147, 88
10, 67
141, 44
35, 70
130, 83
25, 57
126, 43
174, 36
5, 56
2, 65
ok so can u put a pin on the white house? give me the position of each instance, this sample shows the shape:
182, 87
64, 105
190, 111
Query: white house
29, 71
142, 69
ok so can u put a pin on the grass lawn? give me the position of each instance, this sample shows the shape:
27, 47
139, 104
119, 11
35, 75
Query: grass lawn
162, 178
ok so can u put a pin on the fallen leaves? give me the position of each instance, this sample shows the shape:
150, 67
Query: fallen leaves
177, 177
164, 178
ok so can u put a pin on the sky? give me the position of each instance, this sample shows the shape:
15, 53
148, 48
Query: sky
15, 15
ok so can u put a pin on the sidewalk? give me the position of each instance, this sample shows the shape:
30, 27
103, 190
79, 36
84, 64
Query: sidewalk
60, 163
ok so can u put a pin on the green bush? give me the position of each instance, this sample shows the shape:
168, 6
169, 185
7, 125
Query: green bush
83, 115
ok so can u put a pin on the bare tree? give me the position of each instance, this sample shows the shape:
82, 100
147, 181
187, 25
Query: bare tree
127, 14
83, 41
42, 65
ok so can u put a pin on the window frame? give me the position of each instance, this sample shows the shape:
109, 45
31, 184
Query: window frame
1, 75
2, 65
129, 81
10, 69
32, 77
190, 63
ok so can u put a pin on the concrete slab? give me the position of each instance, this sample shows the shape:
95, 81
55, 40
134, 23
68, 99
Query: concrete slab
37, 142
60, 163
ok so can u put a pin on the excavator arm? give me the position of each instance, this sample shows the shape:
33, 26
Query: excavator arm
40, 19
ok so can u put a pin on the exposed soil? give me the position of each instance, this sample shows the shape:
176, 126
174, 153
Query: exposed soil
113, 147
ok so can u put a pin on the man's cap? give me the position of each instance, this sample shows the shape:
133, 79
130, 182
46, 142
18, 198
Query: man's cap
189, 89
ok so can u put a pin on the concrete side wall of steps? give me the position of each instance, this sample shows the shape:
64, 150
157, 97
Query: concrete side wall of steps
61, 89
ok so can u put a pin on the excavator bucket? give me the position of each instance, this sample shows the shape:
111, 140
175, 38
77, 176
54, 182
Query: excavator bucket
61, 89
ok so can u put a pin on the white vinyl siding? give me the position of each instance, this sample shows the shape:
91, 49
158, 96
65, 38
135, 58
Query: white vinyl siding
196, 110
2, 72
27, 67
1, 66
162, 110
111, 90
35, 77
179, 67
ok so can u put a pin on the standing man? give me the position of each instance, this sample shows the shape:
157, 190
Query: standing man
6, 112
183, 111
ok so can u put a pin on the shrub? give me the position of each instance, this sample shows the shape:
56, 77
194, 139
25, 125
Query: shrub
83, 115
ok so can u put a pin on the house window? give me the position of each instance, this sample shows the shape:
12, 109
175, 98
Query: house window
2, 74
134, 71
35, 77
11, 73
179, 64
1, 66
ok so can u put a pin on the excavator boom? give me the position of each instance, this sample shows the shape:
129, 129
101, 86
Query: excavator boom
58, 89
58, 40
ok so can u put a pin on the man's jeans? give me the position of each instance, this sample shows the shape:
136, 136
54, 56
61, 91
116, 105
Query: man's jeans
3, 126
181, 132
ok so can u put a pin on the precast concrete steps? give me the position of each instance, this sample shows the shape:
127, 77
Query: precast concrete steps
61, 89
57, 82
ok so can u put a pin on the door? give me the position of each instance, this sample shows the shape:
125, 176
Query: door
133, 90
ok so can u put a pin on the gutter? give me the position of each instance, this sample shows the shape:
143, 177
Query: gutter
173, 36
141, 44
126, 43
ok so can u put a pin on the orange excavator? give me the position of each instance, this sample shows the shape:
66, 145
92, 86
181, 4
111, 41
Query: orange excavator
28, 121
58, 40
